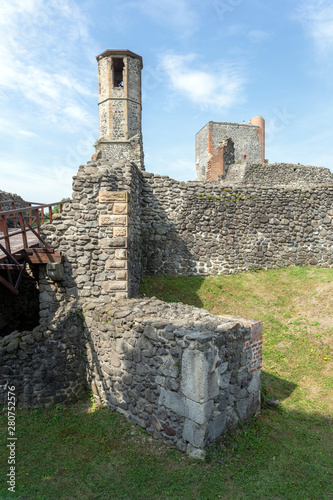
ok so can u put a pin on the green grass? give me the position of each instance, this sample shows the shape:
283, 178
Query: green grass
74, 452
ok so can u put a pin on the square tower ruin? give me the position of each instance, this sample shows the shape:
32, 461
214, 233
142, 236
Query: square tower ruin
248, 140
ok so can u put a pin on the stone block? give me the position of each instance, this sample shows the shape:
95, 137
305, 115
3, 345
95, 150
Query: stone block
150, 333
121, 254
113, 196
112, 286
114, 359
114, 220
173, 401
242, 408
122, 232
224, 379
113, 243
55, 271
121, 295
105, 220
170, 368
247, 407
120, 220
199, 379
199, 412
121, 209
194, 433
194, 452
116, 264
121, 275
216, 427
255, 383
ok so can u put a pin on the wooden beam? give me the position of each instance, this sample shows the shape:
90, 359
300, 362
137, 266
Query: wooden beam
43, 256
8, 285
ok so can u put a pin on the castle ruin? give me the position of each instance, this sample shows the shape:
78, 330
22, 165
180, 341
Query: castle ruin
183, 374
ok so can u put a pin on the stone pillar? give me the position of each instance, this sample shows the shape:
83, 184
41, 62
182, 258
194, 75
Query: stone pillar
118, 222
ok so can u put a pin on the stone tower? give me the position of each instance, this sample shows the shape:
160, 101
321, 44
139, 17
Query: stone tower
119, 101
248, 140
259, 122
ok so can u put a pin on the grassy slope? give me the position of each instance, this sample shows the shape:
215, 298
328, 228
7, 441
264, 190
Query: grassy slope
282, 454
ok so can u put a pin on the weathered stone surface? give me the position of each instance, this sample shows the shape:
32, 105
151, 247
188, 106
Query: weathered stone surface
122, 232
199, 380
173, 401
113, 196
196, 453
121, 208
172, 388
109, 286
38, 357
55, 271
194, 434
105, 220
216, 427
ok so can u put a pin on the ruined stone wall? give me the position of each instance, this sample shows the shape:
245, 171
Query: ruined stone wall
180, 372
201, 153
208, 139
211, 228
4, 195
220, 160
183, 374
99, 234
278, 174
244, 137
130, 151
46, 365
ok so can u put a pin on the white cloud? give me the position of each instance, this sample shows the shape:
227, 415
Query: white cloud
51, 184
27, 133
317, 18
39, 40
220, 86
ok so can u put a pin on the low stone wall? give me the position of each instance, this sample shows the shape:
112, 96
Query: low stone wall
212, 227
276, 174
4, 195
45, 365
183, 374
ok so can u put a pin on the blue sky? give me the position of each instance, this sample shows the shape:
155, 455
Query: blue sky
221, 60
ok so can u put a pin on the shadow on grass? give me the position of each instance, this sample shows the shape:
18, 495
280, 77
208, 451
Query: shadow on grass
273, 386
174, 289
279, 454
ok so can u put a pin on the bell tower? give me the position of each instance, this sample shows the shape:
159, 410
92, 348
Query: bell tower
120, 108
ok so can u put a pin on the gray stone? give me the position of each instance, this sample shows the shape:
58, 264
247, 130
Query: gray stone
197, 453
194, 433
199, 381
55, 271
216, 427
